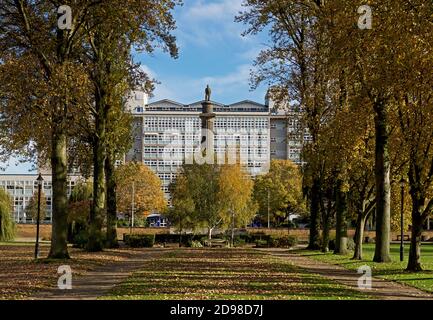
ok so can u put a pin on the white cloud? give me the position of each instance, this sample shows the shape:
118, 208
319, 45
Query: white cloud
206, 23
220, 10
251, 54
187, 90
152, 74
238, 77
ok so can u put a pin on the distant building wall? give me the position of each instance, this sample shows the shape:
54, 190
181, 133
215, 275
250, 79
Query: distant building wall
21, 188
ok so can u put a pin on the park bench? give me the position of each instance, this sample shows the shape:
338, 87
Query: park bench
216, 243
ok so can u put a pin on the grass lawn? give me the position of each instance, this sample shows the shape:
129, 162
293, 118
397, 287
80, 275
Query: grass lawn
189, 274
391, 271
21, 276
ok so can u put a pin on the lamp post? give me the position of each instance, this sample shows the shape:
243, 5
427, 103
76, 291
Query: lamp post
40, 180
402, 186
132, 208
269, 209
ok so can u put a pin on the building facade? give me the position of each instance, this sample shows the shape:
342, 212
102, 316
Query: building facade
21, 188
288, 136
168, 133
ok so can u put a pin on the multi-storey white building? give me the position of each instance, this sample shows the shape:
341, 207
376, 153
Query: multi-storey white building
167, 133
21, 189
288, 136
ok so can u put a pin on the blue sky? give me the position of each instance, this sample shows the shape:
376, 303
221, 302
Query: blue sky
212, 51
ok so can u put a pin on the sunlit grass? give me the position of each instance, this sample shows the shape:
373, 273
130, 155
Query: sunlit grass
226, 274
394, 270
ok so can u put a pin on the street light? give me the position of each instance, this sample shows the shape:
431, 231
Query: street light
131, 224
402, 186
269, 209
40, 181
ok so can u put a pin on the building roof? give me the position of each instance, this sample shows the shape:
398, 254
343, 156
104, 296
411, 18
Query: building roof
216, 104
248, 102
166, 101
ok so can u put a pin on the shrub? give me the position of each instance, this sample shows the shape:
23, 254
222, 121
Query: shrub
238, 242
261, 244
80, 239
252, 238
196, 244
140, 240
287, 242
174, 239
122, 223
272, 242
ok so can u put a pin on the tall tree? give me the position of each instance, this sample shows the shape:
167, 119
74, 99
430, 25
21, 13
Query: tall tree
45, 90
293, 65
204, 188
7, 225
137, 184
235, 195
182, 213
380, 70
32, 207
79, 208
416, 121
111, 44
283, 185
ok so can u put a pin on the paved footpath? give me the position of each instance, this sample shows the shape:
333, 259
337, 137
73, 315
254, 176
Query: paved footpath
381, 289
97, 283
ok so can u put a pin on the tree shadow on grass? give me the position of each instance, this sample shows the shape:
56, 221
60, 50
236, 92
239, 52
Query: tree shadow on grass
229, 274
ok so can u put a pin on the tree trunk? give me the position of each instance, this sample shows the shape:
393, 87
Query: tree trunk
111, 203
97, 212
180, 232
359, 235
314, 239
209, 233
326, 218
341, 223
59, 167
325, 234
414, 263
383, 187
233, 230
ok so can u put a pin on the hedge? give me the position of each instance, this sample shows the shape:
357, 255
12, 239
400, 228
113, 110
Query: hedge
187, 239
140, 240
282, 242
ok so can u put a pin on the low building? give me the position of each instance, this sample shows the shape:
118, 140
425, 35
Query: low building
21, 189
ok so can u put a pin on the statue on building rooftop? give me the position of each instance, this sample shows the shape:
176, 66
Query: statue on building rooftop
208, 93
